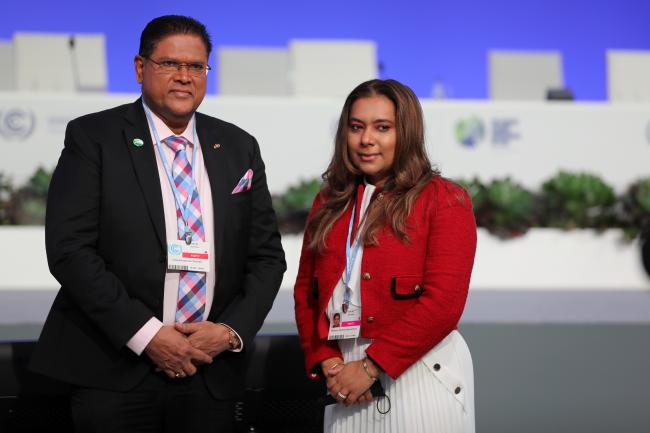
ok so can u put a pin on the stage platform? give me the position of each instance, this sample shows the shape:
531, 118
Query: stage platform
543, 361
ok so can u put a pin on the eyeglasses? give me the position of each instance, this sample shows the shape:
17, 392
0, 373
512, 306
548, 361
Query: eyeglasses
171, 66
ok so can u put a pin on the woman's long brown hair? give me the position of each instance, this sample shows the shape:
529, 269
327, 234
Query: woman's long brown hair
409, 174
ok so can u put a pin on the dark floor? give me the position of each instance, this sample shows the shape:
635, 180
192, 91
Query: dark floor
530, 378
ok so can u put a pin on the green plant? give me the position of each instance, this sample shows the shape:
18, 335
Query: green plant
29, 201
293, 206
634, 212
39, 183
6, 191
476, 191
507, 210
578, 200
301, 196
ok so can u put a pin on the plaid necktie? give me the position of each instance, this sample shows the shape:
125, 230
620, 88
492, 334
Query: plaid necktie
191, 287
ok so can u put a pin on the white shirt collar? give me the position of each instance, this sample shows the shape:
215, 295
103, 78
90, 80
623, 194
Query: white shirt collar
164, 131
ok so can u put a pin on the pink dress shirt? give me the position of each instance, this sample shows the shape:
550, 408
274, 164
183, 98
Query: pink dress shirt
141, 339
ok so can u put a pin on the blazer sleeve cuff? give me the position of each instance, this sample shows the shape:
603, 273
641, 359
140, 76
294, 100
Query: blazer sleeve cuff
382, 360
313, 359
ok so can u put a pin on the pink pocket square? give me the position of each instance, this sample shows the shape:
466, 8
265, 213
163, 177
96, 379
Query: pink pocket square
244, 183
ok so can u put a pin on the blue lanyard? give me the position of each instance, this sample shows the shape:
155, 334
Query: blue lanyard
350, 257
183, 207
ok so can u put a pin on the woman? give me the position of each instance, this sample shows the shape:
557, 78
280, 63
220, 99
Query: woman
389, 247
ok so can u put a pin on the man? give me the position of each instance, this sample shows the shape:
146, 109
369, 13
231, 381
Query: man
161, 233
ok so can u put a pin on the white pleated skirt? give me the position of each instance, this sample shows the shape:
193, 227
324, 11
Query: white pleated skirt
436, 394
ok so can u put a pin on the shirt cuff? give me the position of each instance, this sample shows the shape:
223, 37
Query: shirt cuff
241, 342
143, 337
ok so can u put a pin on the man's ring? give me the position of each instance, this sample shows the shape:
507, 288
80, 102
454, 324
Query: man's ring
179, 375
343, 396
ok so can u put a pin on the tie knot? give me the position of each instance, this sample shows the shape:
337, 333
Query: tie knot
176, 143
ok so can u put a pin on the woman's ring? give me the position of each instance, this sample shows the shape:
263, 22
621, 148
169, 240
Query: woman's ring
343, 396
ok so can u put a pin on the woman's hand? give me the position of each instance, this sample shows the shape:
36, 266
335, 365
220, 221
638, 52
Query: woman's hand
365, 397
349, 384
330, 366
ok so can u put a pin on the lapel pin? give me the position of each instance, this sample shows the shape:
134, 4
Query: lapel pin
216, 146
137, 142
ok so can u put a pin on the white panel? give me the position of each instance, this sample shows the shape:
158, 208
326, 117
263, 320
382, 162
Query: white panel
524, 75
6, 66
89, 60
26, 259
628, 76
580, 260
43, 62
530, 141
253, 71
331, 68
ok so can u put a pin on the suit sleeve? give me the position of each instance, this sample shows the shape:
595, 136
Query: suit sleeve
265, 262
307, 310
451, 245
71, 237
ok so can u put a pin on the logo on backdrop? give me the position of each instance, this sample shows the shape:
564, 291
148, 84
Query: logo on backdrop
17, 124
472, 130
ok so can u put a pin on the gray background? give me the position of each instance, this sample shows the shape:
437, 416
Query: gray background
543, 361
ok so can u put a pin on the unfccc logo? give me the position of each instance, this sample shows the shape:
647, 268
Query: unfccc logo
175, 250
470, 131
17, 124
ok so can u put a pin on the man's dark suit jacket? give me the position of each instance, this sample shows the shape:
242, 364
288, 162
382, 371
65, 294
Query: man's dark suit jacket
106, 246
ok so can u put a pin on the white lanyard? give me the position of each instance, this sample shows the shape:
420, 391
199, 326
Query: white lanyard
183, 207
350, 257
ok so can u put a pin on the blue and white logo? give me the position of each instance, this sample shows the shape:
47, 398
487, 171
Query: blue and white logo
504, 132
175, 250
470, 131
17, 124
499, 132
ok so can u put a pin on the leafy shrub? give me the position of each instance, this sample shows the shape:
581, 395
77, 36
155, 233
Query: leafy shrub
507, 209
29, 201
293, 206
634, 212
476, 191
578, 200
6, 191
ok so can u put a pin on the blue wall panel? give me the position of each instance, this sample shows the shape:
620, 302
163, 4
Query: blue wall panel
419, 41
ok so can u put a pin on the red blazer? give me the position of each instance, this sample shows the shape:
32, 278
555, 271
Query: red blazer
412, 294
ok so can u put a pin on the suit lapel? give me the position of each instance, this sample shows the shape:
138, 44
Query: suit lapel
215, 165
144, 164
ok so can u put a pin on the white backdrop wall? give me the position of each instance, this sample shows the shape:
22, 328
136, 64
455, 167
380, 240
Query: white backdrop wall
528, 141
543, 259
